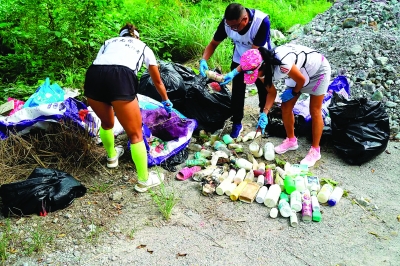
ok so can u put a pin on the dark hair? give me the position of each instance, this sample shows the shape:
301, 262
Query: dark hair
131, 30
270, 61
234, 11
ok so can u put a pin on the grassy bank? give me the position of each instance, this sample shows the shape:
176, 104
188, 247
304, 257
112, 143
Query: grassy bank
61, 40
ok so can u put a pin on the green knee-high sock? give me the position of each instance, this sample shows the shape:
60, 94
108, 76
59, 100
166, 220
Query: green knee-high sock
139, 157
107, 137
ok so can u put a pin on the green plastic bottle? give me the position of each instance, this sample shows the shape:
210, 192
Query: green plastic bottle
290, 184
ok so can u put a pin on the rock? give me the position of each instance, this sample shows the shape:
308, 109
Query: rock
377, 96
349, 23
116, 196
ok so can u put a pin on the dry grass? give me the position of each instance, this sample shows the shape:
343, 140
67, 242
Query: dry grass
62, 146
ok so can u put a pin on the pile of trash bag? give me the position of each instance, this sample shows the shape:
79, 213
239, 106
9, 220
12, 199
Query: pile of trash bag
191, 95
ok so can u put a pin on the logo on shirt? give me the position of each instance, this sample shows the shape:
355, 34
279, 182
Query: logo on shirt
284, 70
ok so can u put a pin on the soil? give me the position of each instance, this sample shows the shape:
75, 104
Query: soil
114, 225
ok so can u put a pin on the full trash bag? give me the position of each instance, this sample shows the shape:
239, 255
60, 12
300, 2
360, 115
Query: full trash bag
45, 190
172, 80
210, 108
360, 128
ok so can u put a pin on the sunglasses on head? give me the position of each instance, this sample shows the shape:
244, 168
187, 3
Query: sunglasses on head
251, 71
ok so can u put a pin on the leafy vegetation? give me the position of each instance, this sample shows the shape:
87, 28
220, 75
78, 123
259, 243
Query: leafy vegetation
59, 39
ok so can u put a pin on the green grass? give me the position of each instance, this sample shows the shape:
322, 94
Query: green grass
179, 36
165, 198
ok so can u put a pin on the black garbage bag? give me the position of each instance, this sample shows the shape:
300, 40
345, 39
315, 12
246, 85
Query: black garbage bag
210, 108
172, 80
360, 128
178, 158
276, 128
45, 190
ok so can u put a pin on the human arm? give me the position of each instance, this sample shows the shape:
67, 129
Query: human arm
208, 52
160, 87
263, 35
300, 80
263, 120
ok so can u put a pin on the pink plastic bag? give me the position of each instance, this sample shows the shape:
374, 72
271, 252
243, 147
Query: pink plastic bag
17, 105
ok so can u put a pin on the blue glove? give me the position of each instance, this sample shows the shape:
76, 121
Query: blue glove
262, 122
228, 77
203, 67
167, 106
288, 94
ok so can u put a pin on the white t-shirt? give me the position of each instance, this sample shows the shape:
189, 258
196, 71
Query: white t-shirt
125, 51
244, 42
307, 60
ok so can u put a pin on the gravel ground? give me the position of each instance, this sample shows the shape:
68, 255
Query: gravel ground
217, 231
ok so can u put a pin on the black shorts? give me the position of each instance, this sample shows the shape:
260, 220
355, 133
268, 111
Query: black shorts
107, 83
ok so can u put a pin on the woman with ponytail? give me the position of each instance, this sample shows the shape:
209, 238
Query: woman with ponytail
111, 85
305, 71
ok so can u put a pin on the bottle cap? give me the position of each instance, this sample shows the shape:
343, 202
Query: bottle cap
331, 202
284, 196
273, 213
316, 216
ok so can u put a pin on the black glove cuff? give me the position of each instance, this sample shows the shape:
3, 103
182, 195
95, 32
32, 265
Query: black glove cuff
296, 93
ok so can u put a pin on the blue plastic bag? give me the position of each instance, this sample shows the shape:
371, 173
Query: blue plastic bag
45, 94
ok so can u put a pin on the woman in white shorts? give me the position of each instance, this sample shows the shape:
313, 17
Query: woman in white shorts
305, 71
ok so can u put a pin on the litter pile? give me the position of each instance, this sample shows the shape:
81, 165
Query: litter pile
283, 187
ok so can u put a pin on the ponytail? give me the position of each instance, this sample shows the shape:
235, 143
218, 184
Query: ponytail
270, 61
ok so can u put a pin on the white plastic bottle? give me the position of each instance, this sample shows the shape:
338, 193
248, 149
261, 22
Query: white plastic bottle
324, 193
315, 204
273, 213
269, 152
284, 208
295, 201
243, 163
299, 183
262, 193
249, 176
272, 197
335, 196
293, 220
239, 177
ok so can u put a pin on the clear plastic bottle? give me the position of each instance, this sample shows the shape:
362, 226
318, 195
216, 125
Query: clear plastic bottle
269, 153
293, 220
243, 163
315, 204
312, 183
214, 76
262, 193
194, 147
220, 146
324, 193
335, 196
205, 153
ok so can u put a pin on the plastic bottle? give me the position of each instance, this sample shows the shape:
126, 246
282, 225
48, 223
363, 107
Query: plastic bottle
284, 208
227, 139
284, 196
261, 166
335, 196
216, 155
199, 162
281, 172
312, 183
272, 197
324, 193
255, 149
306, 210
315, 204
231, 187
278, 180
243, 163
300, 183
205, 153
194, 147
293, 220
269, 153
316, 216
239, 177
289, 184
262, 193
236, 192
214, 76
251, 135
220, 146
269, 177
260, 180
299, 168
249, 176
295, 201
259, 172
273, 213
234, 146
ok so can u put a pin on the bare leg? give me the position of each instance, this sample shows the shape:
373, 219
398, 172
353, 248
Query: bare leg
128, 114
288, 117
316, 118
104, 112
